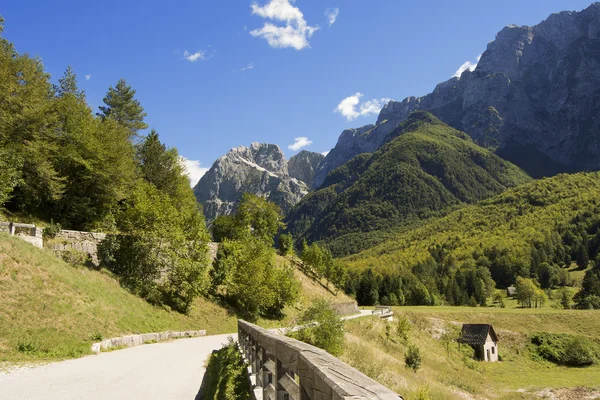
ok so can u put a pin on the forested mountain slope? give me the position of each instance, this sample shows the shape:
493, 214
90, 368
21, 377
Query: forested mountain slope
425, 168
535, 231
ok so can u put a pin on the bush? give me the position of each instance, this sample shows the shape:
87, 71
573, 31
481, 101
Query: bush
51, 230
412, 358
575, 351
28, 347
321, 326
225, 377
286, 244
74, 257
403, 328
97, 336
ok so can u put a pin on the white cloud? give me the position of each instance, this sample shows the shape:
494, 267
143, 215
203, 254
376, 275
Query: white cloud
466, 66
193, 57
325, 153
193, 169
296, 31
351, 107
332, 14
88, 77
299, 143
247, 67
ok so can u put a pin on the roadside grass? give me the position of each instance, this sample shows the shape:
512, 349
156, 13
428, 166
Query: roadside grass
226, 375
452, 373
50, 310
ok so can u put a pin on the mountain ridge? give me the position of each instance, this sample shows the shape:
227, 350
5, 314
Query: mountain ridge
512, 102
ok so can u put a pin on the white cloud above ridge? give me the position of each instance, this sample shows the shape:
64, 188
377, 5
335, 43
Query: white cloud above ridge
469, 65
332, 14
299, 143
247, 67
352, 108
296, 31
193, 57
193, 169
325, 152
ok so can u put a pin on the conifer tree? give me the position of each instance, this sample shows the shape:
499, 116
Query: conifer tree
123, 107
68, 85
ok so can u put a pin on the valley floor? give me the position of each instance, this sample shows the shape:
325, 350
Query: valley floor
374, 347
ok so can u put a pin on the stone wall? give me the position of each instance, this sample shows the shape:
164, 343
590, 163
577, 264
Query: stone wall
27, 232
348, 308
135, 340
86, 242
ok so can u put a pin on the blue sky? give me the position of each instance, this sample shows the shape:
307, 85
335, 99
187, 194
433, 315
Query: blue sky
213, 75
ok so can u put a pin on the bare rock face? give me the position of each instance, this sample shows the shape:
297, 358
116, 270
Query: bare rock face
303, 166
260, 169
534, 98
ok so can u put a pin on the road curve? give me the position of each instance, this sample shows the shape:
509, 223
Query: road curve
162, 371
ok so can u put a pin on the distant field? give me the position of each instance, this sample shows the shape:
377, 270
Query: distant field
524, 320
379, 353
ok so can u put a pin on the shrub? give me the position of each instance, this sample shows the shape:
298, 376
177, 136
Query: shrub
28, 347
412, 358
403, 328
97, 336
75, 257
575, 351
51, 230
225, 377
286, 244
321, 326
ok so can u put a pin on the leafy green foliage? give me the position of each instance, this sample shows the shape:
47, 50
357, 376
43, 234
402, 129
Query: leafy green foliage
225, 377
60, 160
51, 230
245, 275
255, 215
412, 358
565, 349
321, 326
160, 252
426, 168
403, 328
285, 244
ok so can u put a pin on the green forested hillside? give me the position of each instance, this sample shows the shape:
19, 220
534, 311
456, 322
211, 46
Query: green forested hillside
425, 169
532, 231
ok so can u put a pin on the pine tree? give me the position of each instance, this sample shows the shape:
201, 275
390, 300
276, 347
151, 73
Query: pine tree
68, 85
123, 107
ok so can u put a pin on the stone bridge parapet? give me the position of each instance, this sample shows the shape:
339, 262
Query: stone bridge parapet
288, 369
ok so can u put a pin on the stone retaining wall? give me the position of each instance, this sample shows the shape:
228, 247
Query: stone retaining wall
135, 340
86, 242
348, 308
27, 232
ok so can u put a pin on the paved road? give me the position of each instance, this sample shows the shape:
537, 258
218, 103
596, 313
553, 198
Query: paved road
162, 371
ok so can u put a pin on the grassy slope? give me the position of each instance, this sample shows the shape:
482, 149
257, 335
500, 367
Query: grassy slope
454, 375
512, 220
57, 308
424, 169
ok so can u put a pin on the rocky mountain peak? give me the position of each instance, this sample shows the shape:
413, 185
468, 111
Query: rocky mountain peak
260, 169
533, 98
303, 166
